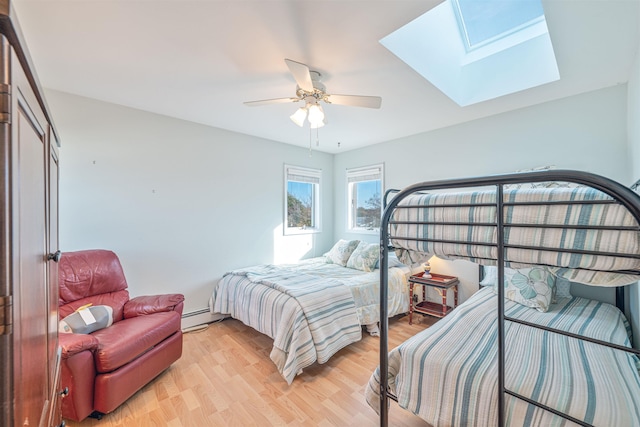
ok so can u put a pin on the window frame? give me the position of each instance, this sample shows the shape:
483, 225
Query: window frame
351, 177
314, 176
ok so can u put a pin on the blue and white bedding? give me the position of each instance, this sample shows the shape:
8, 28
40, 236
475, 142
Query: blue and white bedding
428, 224
448, 374
311, 309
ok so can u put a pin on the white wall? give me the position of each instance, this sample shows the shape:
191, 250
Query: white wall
633, 130
180, 203
584, 132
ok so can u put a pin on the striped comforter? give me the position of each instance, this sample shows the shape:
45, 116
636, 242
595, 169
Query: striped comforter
307, 308
434, 217
448, 373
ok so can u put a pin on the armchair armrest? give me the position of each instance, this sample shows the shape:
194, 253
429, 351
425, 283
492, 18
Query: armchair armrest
75, 343
150, 304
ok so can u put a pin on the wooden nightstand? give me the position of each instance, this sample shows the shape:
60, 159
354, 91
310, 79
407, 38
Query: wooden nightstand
441, 284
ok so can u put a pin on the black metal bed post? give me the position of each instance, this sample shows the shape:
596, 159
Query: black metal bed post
384, 322
385, 198
620, 298
384, 303
500, 320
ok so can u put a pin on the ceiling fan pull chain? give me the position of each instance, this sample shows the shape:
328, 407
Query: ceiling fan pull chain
317, 137
310, 150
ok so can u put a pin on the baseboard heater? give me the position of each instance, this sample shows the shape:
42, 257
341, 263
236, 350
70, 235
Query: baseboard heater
195, 313
199, 317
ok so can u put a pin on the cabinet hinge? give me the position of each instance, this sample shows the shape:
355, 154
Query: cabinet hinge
6, 315
5, 103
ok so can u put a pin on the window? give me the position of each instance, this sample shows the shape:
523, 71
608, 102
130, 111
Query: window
364, 192
487, 21
302, 200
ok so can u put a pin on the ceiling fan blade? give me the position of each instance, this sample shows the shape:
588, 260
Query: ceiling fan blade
355, 100
300, 74
270, 101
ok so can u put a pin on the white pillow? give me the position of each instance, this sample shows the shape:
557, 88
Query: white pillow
365, 256
341, 251
490, 275
98, 317
393, 261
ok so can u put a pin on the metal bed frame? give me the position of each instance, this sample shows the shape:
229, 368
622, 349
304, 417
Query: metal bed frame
619, 194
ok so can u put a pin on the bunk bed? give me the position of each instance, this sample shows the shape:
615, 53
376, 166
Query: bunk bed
313, 308
517, 354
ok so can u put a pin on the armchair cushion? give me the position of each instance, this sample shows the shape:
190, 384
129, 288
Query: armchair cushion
87, 273
91, 277
152, 304
72, 344
115, 300
126, 340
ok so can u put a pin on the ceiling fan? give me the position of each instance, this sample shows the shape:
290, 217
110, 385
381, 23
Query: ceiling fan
310, 90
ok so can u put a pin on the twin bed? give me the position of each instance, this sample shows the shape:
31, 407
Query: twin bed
448, 374
525, 353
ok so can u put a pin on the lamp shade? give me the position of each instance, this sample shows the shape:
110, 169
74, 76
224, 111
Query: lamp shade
316, 116
299, 116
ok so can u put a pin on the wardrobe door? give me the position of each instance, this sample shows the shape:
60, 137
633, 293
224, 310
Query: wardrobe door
6, 284
53, 352
29, 251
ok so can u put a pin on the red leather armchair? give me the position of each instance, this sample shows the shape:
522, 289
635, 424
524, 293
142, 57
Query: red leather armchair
104, 368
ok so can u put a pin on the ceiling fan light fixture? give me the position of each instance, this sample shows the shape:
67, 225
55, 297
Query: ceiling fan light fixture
316, 116
299, 116
311, 91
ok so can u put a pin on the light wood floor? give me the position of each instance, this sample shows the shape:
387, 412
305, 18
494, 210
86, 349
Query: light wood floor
225, 378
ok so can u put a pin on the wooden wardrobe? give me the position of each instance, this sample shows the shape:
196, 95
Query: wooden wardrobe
29, 352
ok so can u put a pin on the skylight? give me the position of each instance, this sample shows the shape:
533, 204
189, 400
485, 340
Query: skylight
483, 21
476, 50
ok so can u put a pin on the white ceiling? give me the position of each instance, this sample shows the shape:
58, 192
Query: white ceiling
200, 60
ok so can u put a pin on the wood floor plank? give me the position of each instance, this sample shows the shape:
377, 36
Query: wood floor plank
225, 378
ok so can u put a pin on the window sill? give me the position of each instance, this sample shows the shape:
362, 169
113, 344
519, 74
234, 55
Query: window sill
298, 231
363, 231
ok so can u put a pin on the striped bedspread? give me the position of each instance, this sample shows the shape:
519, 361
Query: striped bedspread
432, 216
448, 373
306, 308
